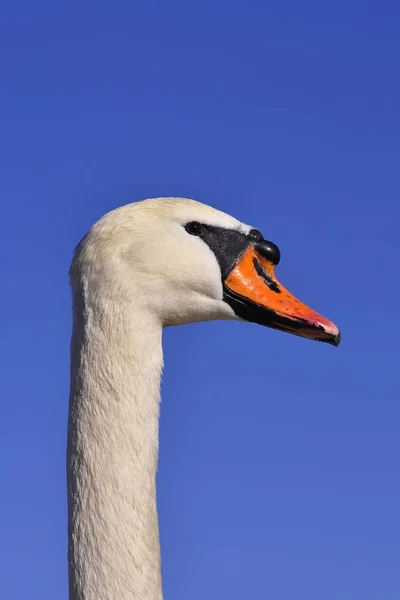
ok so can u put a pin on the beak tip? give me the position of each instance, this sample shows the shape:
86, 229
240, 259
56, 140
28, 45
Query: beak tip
338, 339
335, 338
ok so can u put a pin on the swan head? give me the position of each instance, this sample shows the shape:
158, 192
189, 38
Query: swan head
183, 261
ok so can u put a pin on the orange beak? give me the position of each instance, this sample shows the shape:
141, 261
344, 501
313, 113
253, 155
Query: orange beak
255, 294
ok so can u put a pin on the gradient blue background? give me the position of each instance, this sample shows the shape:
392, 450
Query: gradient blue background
279, 466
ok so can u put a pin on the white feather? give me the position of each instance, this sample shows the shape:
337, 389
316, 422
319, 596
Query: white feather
136, 271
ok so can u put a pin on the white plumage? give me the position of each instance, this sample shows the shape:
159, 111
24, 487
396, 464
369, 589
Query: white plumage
136, 271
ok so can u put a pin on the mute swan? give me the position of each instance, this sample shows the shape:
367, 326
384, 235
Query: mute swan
150, 264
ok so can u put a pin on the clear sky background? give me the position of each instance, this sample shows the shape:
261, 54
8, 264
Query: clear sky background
279, 466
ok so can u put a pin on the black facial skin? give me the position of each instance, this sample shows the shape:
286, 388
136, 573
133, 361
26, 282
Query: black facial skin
228, 245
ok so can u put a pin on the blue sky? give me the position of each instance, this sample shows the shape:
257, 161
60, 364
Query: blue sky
279, 457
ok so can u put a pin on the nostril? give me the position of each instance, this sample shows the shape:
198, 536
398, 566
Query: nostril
269, 250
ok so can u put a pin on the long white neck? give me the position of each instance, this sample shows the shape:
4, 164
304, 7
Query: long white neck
116, 363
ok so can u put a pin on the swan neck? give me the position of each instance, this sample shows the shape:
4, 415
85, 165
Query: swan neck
116, 363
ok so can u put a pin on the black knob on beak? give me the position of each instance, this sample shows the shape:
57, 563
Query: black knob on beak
269, 250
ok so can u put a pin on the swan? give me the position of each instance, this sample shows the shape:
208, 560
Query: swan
142, 267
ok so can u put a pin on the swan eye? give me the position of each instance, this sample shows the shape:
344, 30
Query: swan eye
194, 228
